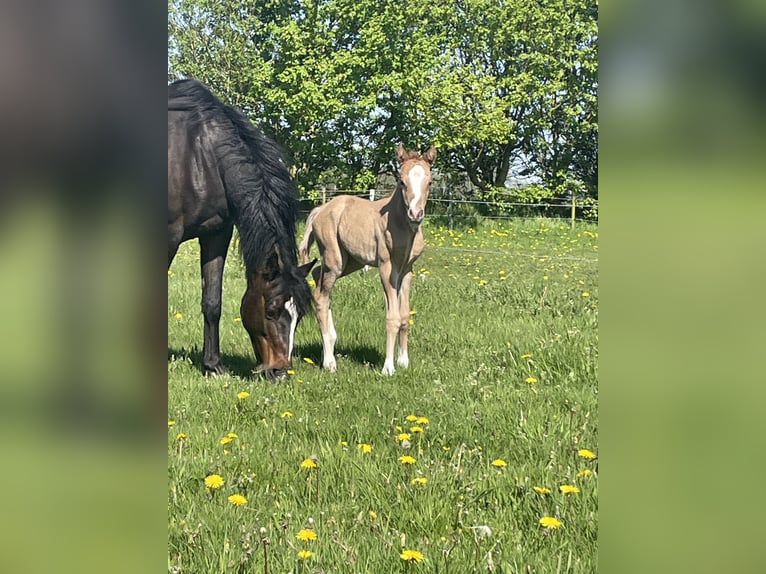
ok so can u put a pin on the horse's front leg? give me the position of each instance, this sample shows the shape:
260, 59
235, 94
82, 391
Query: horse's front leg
213, 257
403, 359
390, 280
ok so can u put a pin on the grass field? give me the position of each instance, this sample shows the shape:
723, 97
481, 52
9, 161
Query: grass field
448, 466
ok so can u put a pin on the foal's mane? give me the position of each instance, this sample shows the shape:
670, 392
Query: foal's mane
261, 194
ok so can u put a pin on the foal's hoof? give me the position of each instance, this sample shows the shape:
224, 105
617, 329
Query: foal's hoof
330, 365
217, 370
388, 369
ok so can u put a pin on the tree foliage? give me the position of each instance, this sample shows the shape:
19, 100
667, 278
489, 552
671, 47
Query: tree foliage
502, 87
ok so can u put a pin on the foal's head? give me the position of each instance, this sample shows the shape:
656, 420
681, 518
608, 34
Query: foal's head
277, 297
415, 181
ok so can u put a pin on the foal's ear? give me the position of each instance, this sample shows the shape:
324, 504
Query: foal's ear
401, 153
430, 155
306, 267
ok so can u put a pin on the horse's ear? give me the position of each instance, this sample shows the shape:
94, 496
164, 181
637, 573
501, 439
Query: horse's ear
401, 153
273, 266
430, 155
306, 267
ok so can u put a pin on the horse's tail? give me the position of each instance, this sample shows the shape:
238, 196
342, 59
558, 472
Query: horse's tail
308, 237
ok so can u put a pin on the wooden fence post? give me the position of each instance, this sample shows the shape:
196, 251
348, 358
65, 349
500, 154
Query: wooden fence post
574, 202
449, 206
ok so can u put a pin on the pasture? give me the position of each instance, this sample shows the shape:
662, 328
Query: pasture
454, 465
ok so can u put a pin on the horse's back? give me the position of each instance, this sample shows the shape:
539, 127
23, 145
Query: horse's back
196, 196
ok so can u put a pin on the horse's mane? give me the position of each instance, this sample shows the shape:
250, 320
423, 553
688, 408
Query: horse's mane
261, 194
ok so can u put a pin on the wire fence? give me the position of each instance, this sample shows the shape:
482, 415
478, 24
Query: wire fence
449, 210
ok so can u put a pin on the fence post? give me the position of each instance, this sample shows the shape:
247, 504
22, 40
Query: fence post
449, 205
372, 194
324, 195
574, 202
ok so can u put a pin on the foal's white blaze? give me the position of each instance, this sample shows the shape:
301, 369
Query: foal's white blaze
417, 179
292, 309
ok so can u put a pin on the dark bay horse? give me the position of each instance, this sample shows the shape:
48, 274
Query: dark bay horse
352, 232
223, 171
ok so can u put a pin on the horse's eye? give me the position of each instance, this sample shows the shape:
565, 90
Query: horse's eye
272, 312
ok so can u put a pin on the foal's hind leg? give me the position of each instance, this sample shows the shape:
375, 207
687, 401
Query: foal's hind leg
325, 279
213, 257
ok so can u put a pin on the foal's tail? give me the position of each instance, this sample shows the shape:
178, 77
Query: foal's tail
308, 237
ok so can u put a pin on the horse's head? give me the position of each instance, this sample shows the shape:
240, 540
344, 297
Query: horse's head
277, 297
415, 181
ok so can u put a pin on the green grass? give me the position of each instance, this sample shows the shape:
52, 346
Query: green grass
483, 299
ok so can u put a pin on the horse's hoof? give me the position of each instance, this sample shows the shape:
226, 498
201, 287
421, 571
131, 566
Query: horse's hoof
216, 371
388, 369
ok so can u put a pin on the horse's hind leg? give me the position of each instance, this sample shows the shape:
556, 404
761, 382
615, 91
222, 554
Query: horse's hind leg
213, 257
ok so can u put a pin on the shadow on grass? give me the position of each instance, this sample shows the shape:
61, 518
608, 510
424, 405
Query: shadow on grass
236, 365
362, 354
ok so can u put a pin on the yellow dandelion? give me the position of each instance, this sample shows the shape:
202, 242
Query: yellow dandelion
483, 282
412, 311
403, 436
214, 481
171, 423
364, 447
412, 418
308, 463
542, 489
416, 428
422, 420
243, 394
585, 453
232, 435
499, 462
237, 319
412, 556
584, 472
526, 356
550, 522
306, 534
225, 440
308, 360
291, 372
407, 459
585, 294
373, 515
305, 554
419, 480
237, 499
286, 415
181, 436
179, 315
411, 321
531, 380
568, 489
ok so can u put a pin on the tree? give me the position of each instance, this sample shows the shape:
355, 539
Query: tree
500, 86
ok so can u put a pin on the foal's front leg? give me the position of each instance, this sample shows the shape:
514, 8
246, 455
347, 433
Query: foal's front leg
390, 281
325, 281
403, 359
